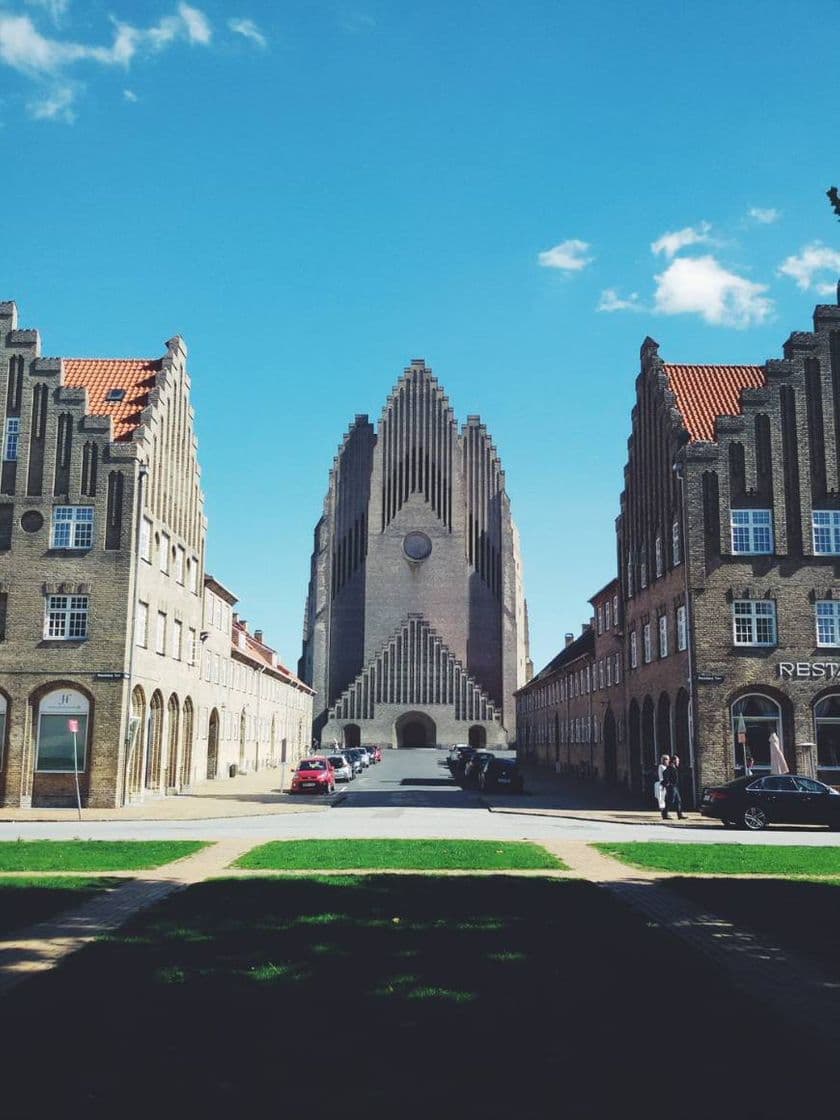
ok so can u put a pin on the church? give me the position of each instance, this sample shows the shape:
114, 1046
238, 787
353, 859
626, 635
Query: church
415, 629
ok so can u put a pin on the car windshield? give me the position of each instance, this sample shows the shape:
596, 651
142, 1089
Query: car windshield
337, 760
313, 764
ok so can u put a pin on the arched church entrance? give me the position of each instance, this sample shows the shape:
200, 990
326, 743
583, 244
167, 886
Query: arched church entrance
477, 736
415, 729
352, 735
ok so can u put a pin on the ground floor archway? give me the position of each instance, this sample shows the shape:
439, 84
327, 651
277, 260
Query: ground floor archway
477, 736
213, 745
352, 735
610, 752
415, 729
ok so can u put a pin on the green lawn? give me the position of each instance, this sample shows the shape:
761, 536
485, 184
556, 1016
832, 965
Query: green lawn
413, 855
728, 859
92, 855
382, 995
24, 900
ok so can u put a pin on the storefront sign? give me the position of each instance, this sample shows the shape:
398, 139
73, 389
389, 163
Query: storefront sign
809, 670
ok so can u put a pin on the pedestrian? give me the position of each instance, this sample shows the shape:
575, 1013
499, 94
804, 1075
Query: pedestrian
658, 787
671, 782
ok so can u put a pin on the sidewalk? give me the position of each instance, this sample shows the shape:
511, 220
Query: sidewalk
247, 795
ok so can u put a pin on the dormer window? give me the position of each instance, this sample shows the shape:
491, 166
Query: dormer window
114, 395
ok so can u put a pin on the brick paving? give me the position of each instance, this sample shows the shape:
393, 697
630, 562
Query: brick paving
768, 973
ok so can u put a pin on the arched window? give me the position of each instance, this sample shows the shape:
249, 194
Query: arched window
62, 726
754, 719
827, 726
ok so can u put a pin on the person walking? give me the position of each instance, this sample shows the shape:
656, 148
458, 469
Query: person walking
658, 787
671, 782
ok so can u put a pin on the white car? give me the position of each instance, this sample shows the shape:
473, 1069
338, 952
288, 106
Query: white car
342, 766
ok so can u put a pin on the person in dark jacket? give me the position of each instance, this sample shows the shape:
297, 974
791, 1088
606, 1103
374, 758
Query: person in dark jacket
671, 782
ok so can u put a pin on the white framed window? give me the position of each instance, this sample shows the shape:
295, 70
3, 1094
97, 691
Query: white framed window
828, 622
163, 553
663, 635
754, 622
177, 638
192, 573
657, 552
646, 644
682, 628
643, 570
192, 650
160, 633
12, 437
826, 530
72, 527
66, 618
600, 613
601, 678
607, 616
629, 576
146, 539
180, 557
676, 543
617, 668
609, 672
634, 651
141, 624
62, 732
752, 531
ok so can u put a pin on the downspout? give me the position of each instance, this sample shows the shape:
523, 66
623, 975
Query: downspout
142, 475
689, 626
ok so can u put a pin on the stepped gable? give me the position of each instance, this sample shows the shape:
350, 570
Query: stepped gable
136, 376
414, 668
703, 393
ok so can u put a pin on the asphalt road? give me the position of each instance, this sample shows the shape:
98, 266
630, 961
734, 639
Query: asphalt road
408, 794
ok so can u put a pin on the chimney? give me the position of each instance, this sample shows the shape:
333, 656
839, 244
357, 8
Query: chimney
244, 624
569, 639
258, 636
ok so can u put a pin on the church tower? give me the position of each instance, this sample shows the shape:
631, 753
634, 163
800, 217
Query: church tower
415, 630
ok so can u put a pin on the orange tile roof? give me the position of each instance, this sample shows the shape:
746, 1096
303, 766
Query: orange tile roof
705, 392
98, 375
260, 652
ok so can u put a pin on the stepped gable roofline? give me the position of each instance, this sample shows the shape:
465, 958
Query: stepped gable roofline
584, 646
418, 365
136, 376
704, 393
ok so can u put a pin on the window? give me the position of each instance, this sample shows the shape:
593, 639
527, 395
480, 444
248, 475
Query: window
828, 623
682, 628
827, 723
601, 679
826, 526
754, 622
663, 635
179, 564
609, 672
146, 539
141, 625
177, 635
754, 719
72, 527
657, 550
192, 571
617, 668
160, 634
10, 444
62, 732
607, 616
600, 620
163, 553
629, 576
646, 642
634, 651
752, 531
676, 543
66, 617
615, 610
643, 570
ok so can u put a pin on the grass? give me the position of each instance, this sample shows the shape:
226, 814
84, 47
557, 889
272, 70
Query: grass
728, 859
92, 855
24, 901
412, 855
376, 995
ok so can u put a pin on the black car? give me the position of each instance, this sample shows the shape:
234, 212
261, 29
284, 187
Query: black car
473, 766
500, 774
460, 761
775, 799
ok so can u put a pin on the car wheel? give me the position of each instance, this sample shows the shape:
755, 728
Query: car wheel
754, 818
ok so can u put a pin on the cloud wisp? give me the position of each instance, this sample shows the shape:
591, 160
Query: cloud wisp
671, 243
702, 286
568, 256
765, 216
806, 266
249, 30
611, 301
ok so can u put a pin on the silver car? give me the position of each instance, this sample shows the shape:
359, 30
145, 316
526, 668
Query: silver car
343, 767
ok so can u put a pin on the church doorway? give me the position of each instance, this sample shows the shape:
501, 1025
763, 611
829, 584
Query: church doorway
415, 729
352, 735
477, 736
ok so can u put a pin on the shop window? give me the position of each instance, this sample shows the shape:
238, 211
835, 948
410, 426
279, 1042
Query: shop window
63, 718
827, 725
754, 719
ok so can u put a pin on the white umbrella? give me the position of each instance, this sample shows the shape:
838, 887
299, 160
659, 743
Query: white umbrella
778, 764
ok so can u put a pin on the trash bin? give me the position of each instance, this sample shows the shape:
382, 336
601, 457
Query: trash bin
232, 770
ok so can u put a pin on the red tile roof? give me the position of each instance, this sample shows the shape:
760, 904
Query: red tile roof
264, 655
98, 375
705, 392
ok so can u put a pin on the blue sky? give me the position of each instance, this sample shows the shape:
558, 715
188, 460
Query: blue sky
313, 194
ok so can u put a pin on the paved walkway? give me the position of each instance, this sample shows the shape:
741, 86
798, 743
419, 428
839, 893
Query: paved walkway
776, 977
46, 944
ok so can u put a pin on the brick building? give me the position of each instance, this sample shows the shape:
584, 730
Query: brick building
415, 628
102, 539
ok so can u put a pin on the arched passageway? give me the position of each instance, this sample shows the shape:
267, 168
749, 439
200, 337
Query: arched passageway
352, 735
213, 745
477, 736
187, 746
663, 725
634, 732
154, 741
610, 754
415, 729
172, 761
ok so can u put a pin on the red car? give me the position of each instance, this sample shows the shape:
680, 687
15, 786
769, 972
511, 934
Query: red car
314, 775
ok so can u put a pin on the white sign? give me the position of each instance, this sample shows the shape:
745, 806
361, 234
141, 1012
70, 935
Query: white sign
64, 704
809, 670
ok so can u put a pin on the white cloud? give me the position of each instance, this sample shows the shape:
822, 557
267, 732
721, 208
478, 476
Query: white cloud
55, 106
570, 256
702, 286
56, 8
671, 243
196, 23
249, 29
130, 95
804, 266
611, 301
764, 216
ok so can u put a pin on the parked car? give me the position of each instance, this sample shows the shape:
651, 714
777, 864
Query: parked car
472, 766
500, 774
774, 799
354, 755
458, 759
364, 755
342, 766
314, 775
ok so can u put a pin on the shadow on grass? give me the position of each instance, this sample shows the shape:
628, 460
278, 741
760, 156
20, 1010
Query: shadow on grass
383, 996
23, 902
